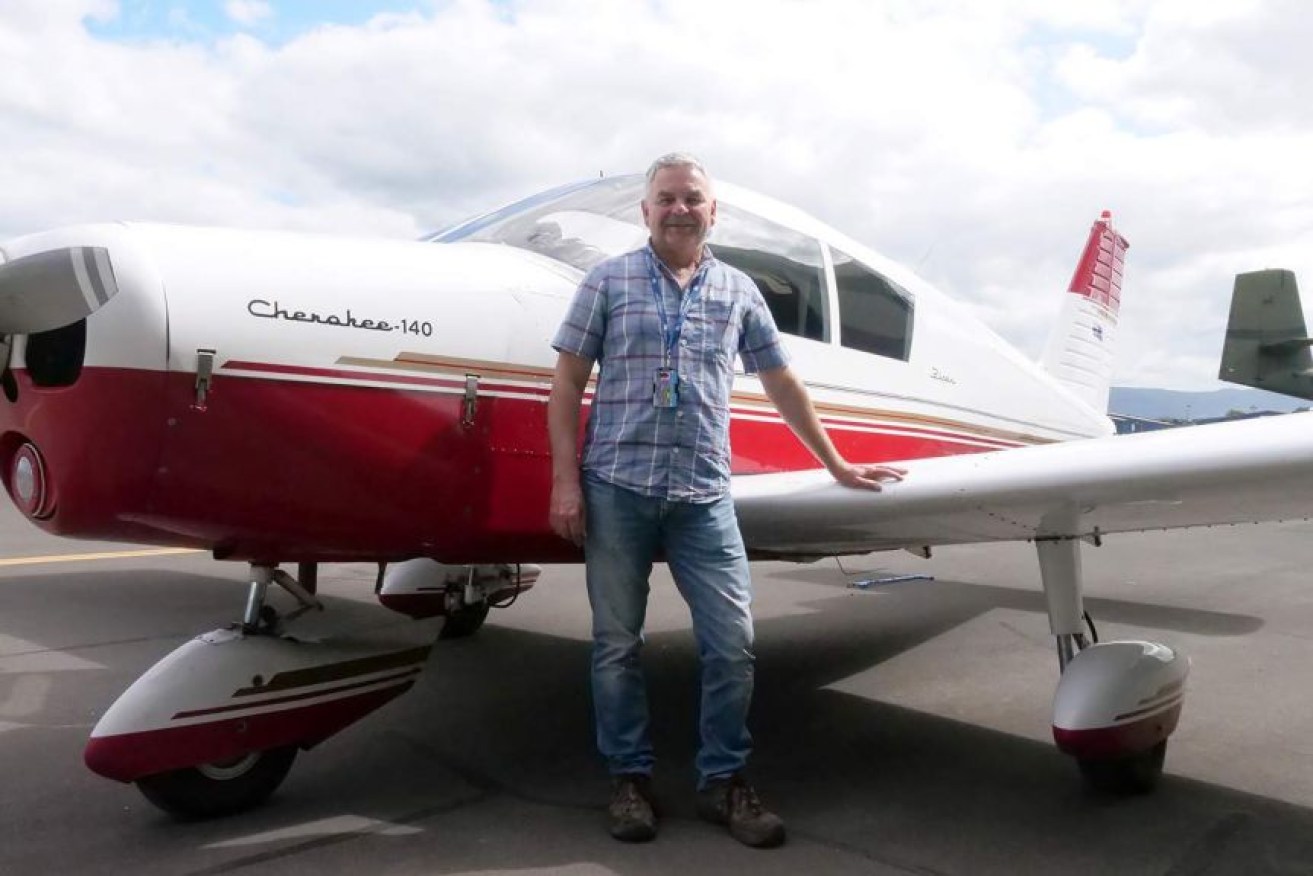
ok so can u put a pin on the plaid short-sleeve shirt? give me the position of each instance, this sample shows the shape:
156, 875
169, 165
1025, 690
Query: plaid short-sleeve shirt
681, 453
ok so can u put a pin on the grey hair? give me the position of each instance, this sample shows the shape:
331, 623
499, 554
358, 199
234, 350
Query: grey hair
675, 159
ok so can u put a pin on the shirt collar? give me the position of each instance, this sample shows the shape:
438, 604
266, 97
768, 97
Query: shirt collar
707, 259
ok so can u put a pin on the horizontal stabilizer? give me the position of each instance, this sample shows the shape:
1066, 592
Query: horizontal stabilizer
51, 289
1267, 344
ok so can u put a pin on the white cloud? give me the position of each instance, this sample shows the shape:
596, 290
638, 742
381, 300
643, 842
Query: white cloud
248, 12
976, 142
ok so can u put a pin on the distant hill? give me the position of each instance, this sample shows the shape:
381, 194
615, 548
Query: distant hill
1170, 404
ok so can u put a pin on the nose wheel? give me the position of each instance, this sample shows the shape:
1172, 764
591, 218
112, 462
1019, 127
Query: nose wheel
213, 789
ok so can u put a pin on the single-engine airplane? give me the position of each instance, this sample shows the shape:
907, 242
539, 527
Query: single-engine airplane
280, 398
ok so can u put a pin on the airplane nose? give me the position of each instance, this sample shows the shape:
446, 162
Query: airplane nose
28, 483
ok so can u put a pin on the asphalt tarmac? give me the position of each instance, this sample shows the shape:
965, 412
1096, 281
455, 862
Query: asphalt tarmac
902, 728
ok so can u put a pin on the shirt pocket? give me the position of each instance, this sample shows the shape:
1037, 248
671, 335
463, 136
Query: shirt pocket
716, 330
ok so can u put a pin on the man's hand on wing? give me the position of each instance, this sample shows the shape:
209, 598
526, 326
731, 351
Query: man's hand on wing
867, 477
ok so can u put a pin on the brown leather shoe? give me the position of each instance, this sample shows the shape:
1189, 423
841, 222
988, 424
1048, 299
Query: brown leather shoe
734, 803
633, 818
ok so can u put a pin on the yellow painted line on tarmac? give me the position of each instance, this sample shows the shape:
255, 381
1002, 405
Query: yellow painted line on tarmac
109, 555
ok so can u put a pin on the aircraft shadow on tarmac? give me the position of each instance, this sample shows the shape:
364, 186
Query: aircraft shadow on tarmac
500, 724
900, 786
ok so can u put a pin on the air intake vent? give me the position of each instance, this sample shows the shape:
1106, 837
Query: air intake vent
54, 358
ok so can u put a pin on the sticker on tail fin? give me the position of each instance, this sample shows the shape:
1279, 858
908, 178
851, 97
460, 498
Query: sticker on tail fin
1079, 353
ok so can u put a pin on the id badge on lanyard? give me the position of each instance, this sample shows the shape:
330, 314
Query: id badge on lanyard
665, 382
665, 388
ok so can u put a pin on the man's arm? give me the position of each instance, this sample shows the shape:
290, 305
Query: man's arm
563, 406
790, 397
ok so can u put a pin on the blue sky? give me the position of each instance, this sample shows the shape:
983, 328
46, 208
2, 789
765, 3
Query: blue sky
274, 21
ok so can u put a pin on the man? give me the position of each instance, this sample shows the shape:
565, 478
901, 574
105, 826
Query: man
665, 323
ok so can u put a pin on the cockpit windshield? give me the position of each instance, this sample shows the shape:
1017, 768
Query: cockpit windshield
584, 223
579, 224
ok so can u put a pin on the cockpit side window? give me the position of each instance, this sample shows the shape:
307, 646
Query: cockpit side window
875, 315
786, 265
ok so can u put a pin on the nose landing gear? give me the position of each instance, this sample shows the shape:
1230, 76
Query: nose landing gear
210, 790
214, 727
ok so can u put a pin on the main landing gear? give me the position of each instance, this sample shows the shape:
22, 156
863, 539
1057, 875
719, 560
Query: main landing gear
1133, 774
465, 621
462, 595
1117, 702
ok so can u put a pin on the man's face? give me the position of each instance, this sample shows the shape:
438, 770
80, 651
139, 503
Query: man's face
679, 210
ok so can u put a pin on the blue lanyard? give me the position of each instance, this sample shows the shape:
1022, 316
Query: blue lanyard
670, 332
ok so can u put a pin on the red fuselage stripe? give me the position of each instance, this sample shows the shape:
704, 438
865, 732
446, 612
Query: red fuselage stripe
457, 384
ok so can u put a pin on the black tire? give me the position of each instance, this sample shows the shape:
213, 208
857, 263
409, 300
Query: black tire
213, 790
464, 622
1137, 774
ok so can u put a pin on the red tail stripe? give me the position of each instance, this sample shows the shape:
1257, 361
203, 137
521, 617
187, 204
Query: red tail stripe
1098, 276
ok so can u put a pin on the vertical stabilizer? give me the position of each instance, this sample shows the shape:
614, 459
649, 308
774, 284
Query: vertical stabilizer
1267, 344
1080, 349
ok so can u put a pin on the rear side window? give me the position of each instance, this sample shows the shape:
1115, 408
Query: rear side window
875, 315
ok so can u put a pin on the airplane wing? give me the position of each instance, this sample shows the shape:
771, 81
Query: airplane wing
1241, 471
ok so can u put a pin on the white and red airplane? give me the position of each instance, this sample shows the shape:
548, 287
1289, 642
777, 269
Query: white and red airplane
282, 398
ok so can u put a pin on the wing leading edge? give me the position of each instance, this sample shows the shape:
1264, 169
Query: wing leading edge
1234, 472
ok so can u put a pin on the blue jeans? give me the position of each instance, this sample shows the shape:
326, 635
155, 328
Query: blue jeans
704, 550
